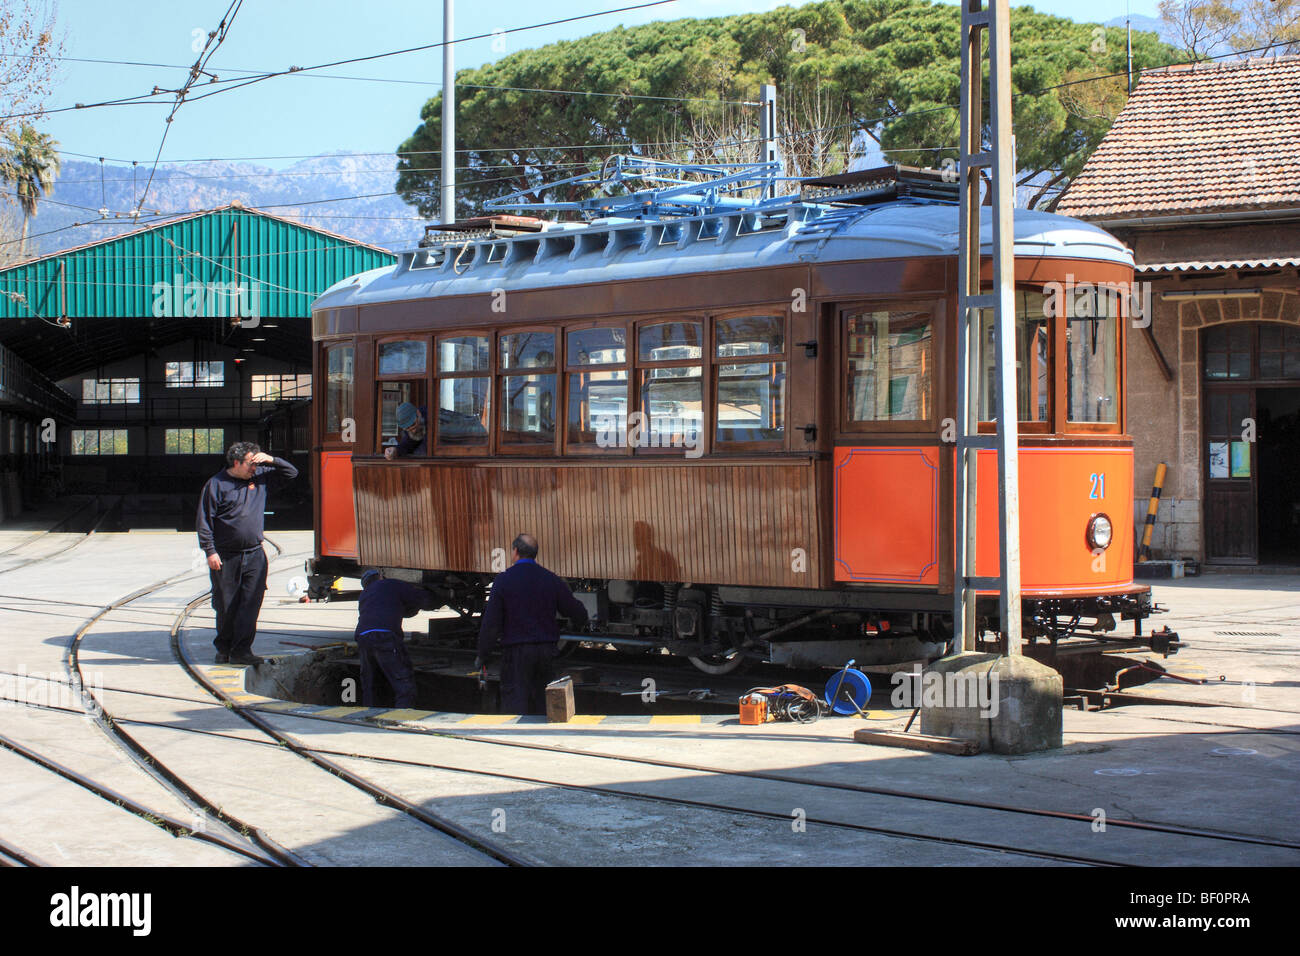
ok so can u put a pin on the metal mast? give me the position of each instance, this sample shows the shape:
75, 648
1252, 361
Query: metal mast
448, 113
767, 131
975, 19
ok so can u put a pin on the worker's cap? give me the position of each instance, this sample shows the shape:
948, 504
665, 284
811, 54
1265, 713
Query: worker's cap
406, 415
370, 576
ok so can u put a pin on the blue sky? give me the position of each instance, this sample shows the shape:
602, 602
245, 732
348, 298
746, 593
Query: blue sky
306, 114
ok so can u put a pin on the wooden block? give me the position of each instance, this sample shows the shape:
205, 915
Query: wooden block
559, 701
893, 738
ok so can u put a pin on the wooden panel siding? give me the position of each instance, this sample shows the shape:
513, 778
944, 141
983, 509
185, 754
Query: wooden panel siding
723, 522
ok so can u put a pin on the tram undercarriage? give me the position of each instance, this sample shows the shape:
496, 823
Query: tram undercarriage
720, 628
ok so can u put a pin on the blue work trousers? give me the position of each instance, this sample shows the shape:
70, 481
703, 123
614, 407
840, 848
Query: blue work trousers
384, 651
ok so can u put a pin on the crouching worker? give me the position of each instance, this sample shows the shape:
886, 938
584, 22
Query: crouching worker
381, 607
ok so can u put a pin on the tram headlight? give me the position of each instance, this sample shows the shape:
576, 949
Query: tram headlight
1099, 532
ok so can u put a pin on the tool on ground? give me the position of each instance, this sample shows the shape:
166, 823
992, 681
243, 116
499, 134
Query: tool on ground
1153, 506
851, 691
786, 702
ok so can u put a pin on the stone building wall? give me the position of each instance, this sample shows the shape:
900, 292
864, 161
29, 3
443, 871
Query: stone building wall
1164, 417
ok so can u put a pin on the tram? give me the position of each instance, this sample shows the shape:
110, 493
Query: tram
726, 411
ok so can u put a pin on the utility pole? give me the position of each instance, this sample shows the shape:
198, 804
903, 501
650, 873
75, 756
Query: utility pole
448, 113
767, 130
972, 299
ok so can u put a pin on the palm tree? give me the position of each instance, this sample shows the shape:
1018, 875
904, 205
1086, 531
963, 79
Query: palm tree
32, 162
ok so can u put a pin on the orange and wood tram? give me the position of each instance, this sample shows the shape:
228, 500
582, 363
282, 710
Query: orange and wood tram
728, 420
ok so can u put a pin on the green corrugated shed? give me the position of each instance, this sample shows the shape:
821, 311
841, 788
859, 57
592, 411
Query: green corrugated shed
286, 263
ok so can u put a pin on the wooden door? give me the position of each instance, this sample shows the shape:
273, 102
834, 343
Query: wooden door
1231, 480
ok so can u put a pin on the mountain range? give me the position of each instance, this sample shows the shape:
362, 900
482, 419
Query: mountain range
346, 193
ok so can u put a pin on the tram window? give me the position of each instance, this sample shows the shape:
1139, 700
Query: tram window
889, 356
597, 386
338, 387
751, 395
750, 335
671, 341
528, 409
751, 402
671, 396
463, 353
599, 346
527, 400
1092, 361
672, 400
402, 358
1033, 361
392, 394
464, 399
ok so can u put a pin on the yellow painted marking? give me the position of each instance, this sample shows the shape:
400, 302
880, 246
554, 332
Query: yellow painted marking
884, 715
675, 719
222, 673
490, 719
335, 712
587, 718
403, 714
281, 705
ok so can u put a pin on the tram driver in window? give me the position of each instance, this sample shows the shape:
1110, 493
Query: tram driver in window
412, 432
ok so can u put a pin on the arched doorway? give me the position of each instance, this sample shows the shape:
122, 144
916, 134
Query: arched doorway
1250, 375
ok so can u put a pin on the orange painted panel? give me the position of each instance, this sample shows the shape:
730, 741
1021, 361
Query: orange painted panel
887, 515
338, 517
1060, 490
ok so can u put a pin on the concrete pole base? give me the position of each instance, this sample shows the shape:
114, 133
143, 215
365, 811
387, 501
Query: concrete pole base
1007, 705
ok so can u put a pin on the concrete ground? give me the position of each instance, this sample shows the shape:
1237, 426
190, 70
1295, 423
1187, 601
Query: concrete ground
673, 791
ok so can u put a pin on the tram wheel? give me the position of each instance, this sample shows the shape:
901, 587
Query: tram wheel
719, 664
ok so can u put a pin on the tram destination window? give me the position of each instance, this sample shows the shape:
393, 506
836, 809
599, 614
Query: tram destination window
1033, 361
1092, 359
464, 388
672, 387
526, 371
596, 365
339, 384
751, 394
890, 365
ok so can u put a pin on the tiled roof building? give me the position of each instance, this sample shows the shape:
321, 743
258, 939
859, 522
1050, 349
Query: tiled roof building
1200, 176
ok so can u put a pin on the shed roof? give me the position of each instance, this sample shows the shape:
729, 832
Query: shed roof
1197, 139
189, 277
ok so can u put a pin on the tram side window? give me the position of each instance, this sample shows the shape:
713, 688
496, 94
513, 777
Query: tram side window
1033, 361
526, 376
670, 371
596, 365
391, 395
890, 365
751, 394
339, 380
464, 386
1092, 359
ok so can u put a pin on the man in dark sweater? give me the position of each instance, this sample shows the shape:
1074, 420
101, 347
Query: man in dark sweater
520, 615
230, 522
380, 609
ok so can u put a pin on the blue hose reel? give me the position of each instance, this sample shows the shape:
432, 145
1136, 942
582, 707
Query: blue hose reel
848, 691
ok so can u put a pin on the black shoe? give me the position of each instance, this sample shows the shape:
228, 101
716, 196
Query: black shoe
221, 659
252, 659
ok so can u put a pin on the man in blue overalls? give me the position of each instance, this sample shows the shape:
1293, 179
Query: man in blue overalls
520, 616
381, 607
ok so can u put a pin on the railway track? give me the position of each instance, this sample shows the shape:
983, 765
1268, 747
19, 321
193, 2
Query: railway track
331, 760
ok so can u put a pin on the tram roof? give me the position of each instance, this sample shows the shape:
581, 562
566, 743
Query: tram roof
618, 249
